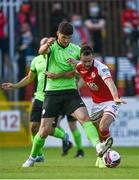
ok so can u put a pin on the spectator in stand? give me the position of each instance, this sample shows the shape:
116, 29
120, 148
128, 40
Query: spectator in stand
25, 49
56, 17
81, 34
130, 23
96, 25
137, 81
6, 64
26, 15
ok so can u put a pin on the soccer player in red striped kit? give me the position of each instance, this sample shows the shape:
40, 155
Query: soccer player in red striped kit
106, 101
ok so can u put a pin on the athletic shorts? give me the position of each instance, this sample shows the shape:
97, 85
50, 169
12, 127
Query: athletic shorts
36, 111
61, 102
99, 109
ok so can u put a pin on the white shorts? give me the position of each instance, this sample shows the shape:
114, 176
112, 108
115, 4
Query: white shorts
99, 109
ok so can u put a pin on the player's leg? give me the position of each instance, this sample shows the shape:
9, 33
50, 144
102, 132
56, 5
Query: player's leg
48, 116
105, 118
39, 140
102, 136
35, 123
76, 135
77, 108
58, 132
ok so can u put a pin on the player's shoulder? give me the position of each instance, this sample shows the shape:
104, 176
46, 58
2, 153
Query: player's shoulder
38, 58
98, 63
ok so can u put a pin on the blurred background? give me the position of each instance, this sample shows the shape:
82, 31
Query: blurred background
111, 27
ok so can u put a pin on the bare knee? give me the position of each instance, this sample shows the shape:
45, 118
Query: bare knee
45, 130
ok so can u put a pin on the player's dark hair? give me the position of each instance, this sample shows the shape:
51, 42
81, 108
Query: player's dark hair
65, 28
87, 50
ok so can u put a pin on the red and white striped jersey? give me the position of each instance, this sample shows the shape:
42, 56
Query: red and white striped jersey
94, 77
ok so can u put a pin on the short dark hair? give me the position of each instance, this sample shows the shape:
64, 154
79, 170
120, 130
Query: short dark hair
65, 28
87, 50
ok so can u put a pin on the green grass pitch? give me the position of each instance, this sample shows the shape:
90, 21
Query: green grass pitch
57, 167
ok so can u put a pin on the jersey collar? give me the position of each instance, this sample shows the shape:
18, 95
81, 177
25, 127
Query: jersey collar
61, 46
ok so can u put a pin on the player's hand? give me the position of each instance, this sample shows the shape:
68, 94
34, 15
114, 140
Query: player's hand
72, 61
8, 86
120, 101
50, 41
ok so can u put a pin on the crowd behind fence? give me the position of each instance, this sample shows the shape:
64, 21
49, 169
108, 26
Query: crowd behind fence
113, 49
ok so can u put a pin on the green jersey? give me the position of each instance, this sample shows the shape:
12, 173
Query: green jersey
57, 63
38, 66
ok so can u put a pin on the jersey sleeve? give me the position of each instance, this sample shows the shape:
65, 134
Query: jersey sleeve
32, 66
104, 71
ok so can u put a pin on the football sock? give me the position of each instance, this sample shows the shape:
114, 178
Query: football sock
59, 133
41, 151
77, 138
104, 135
32, 138
37, 145
91, 132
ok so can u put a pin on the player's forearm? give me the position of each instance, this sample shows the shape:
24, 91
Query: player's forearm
80, 83
44, 49
24, 82
69, 74
112, 88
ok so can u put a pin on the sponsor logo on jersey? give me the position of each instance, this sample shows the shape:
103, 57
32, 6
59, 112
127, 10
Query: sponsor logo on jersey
106, 71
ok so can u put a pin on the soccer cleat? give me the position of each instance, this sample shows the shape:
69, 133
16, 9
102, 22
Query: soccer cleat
101, 163
29, 162
67, 145
101, 148
80, 154
97, 162
40, 158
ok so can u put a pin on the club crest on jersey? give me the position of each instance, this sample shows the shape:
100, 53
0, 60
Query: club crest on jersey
93, 75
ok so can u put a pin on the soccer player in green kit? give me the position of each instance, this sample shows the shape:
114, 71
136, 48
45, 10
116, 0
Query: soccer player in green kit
37, 69
61, 93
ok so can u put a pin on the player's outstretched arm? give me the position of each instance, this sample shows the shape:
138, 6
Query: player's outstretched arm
23, 82
109, 82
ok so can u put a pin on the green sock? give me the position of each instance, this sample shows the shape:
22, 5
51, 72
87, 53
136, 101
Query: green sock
77, 138
91, 132
59, 133
40, 153
38, 143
